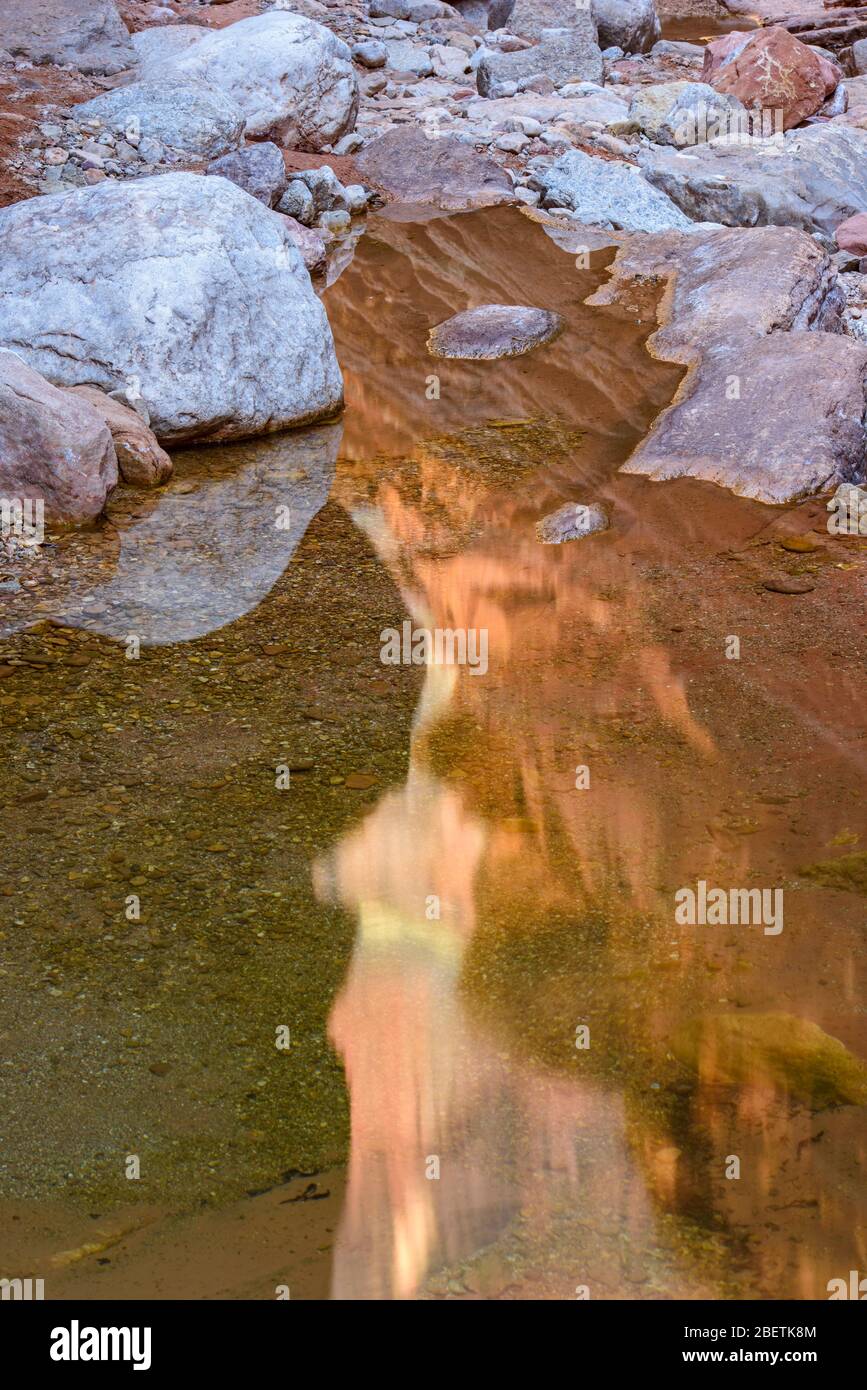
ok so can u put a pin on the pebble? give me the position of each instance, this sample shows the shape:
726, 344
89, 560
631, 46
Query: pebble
786, 585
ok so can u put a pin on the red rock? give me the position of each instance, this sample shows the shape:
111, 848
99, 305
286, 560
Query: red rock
140, 459
311, 242
770, 70
54, 447
852, 234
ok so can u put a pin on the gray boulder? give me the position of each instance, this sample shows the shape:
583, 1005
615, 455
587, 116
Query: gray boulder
85, 34
812, 178
154, 47
370, 54
562, 55
403, 56
632, 25
685, 113
192, 117
181, 289
605, 193
325, 189
54, 448
297, 202
292, 78
258, 169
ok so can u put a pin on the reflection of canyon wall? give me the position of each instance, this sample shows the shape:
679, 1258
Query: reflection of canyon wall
603, 1166
557, 910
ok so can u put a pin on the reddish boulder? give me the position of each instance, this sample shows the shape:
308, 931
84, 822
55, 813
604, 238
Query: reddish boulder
770, 70
141, 461
54, 447
852, 234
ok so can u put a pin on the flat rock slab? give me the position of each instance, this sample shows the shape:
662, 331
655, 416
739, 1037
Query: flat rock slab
813, 179
775, 418
710, 284
772, 406
412, 168
85, 34
493, 331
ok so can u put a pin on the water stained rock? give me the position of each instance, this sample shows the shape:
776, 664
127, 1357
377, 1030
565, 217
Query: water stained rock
571, 521
493, 331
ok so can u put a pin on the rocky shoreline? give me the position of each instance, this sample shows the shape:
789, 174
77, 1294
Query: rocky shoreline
161, 266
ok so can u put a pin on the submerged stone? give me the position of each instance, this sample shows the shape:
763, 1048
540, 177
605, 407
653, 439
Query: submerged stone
494, 330
571, 522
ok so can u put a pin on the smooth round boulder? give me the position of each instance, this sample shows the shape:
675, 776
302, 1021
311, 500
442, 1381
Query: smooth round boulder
181, 289
188, 116
493, 331
632, 25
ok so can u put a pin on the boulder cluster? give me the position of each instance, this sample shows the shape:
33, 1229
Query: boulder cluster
156, 287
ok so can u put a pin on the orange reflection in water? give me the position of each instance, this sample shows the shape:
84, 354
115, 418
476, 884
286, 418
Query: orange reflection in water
500, 908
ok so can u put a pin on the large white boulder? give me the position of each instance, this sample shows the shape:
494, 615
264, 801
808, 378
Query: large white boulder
292, 78
179, 290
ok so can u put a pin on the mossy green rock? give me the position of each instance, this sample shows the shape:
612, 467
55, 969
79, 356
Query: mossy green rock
776, 1048
849, 872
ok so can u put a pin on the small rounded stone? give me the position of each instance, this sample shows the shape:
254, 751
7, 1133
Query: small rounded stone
493, 331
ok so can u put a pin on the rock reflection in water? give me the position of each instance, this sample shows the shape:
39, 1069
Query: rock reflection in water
175, 564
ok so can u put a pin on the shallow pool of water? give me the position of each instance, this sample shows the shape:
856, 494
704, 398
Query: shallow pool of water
375, 967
